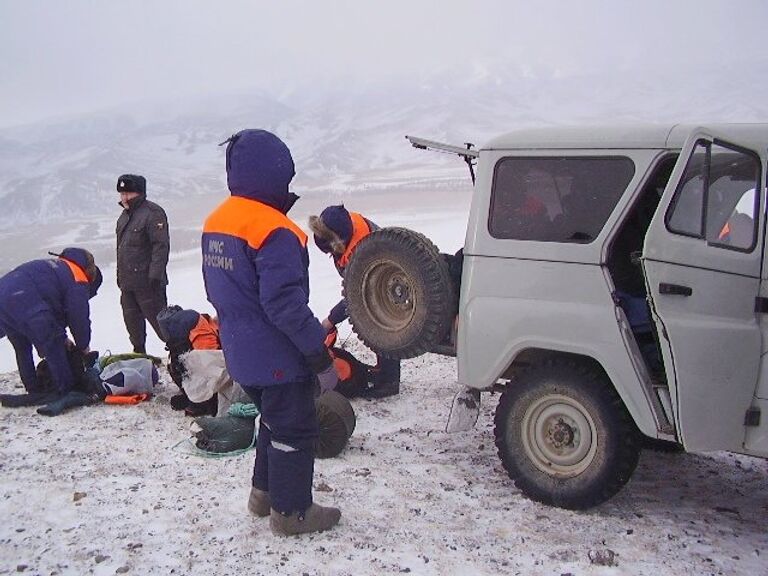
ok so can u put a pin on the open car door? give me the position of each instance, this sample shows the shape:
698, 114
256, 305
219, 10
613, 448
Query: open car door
702, 263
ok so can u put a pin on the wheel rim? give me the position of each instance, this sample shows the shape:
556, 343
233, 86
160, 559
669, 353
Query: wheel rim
388, 297
559, 436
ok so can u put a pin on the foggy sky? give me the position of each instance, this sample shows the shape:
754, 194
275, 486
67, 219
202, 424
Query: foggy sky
62, 57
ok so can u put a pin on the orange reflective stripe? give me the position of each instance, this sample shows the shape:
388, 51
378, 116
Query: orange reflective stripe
77, 272
360, 230
724, 232
205, 335
249, 220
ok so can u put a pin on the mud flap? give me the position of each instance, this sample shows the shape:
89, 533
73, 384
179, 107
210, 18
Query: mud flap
464, 410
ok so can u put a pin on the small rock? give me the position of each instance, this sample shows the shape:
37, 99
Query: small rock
77, 496
323, 487
726, 510
100, 558
605, 557
21, 567
122, 570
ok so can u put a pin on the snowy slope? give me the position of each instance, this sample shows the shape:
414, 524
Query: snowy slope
343, 138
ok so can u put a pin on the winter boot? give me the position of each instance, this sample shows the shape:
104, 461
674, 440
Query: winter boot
179, 401
205, 408
258, 503
314, 519
383, 379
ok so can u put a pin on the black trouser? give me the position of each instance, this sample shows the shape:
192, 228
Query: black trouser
138, 306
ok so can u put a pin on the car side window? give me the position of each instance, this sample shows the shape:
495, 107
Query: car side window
716, 199
556, 199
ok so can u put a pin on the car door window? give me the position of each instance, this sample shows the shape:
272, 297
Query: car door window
716, 198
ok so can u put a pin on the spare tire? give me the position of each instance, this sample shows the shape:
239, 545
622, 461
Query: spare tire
337, 422
400, 297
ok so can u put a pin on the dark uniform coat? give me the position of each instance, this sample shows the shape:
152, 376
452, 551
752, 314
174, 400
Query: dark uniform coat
143, 244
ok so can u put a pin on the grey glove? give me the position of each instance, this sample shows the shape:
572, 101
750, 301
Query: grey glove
328, 379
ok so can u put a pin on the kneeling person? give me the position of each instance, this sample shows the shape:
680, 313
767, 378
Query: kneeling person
39, 300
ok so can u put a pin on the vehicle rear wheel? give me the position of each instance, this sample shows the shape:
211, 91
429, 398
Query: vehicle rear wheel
564, 435
399, 293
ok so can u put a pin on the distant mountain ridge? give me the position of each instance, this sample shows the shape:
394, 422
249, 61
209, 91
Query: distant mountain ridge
342, 138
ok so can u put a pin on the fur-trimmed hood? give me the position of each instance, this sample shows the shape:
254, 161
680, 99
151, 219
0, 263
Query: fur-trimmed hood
326, 238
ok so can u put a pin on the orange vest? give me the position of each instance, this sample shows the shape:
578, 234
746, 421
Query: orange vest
205, 334
360, 230
724, 232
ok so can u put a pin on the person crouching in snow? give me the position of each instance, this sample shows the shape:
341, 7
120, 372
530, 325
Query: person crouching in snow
255, 268
337, 232
39, 300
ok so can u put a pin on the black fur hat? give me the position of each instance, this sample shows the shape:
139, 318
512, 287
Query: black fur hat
132, 183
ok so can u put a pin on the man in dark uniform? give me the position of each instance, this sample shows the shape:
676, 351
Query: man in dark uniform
255, 267
143, 245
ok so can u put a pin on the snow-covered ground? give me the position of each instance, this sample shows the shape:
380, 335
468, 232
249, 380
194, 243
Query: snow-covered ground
101, 490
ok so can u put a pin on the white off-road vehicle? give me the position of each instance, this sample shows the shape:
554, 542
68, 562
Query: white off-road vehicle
614, 287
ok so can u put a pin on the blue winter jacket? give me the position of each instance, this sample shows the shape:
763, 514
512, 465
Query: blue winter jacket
59, 287
255, 267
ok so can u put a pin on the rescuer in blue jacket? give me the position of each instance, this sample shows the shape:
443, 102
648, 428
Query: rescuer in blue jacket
39, 300
337, 232
255, 267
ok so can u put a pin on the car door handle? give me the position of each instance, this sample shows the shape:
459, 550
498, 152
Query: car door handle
674, 289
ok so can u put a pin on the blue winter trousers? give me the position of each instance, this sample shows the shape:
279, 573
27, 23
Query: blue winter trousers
285, 447
42, 330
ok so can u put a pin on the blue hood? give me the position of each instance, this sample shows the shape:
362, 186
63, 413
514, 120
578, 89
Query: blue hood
260, 167
79, 256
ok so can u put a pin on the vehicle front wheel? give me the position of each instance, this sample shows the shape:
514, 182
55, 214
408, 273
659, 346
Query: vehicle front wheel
564, 435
